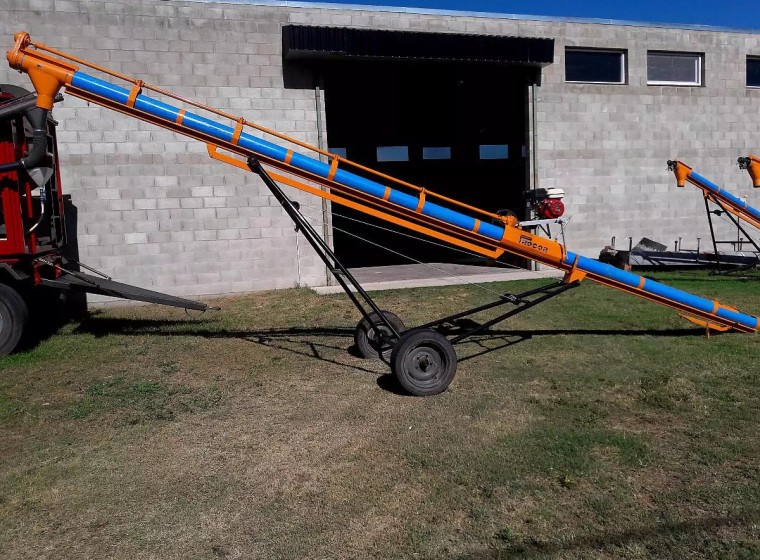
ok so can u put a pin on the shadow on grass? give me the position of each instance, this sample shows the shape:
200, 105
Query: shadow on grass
659, 536
48, 312
98, 327
291, 339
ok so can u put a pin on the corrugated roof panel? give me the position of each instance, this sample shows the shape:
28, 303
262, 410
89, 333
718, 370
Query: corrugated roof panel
304, 41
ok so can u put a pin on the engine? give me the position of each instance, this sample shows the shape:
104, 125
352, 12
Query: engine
547, 203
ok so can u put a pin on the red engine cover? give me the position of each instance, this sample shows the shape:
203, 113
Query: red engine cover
550, 208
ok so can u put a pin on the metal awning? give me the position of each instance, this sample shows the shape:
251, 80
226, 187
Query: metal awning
330, 43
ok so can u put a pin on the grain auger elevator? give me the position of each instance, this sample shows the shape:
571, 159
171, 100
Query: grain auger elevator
422, 358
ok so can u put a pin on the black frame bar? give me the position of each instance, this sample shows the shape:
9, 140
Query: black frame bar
364, 300
519, 300
336, 268
736, 222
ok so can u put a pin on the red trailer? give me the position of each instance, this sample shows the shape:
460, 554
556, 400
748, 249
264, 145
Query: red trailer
33, 236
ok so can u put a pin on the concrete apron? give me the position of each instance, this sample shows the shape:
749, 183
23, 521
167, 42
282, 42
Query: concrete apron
376, 278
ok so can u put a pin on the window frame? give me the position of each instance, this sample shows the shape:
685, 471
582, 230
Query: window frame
623, 53
756, 59
699, 56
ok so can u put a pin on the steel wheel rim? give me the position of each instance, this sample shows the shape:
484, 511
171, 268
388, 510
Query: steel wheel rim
425, 364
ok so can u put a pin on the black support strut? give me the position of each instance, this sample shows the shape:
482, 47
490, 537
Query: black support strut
522, 302
364, 302
361, 299
738, 243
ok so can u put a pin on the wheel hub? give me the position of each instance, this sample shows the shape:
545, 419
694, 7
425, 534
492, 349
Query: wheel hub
425, 364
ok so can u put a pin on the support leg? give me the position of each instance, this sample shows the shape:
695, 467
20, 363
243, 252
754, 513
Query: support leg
387, 327
712, 235
423, 359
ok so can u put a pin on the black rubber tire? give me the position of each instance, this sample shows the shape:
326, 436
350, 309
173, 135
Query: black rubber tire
14, 314
424, 362
364, 335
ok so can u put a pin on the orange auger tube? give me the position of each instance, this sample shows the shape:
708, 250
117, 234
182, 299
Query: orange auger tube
393, 200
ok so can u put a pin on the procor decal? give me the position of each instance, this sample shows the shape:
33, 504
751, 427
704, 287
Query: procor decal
528, 241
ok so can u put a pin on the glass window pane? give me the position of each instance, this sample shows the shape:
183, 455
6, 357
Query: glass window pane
683, 68
393, 153
594, 66
494, 151
436, 153
342, 152
753, 72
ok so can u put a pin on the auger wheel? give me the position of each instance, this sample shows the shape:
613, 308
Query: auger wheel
424, 362
374, 338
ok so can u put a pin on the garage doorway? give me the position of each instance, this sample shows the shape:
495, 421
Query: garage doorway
456, 129
447, 112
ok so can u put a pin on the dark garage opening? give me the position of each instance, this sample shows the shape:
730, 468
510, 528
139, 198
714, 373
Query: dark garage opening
456, 127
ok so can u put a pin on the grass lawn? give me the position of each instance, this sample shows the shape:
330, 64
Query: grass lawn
594, 426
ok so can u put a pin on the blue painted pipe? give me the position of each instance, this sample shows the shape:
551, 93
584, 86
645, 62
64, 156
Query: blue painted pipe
259, 146
256, 145
725, 194
655, 288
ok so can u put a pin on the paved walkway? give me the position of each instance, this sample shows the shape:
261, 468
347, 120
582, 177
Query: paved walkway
435, 274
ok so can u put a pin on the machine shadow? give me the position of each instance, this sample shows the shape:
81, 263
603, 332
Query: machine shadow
288, 339
531, 548
295, 339
101, 326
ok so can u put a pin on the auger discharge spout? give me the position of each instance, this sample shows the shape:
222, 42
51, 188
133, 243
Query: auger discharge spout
360, 188
752, 165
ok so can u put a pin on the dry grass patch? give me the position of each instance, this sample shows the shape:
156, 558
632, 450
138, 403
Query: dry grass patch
603, 427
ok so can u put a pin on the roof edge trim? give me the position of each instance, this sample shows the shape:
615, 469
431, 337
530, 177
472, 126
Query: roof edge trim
487, 15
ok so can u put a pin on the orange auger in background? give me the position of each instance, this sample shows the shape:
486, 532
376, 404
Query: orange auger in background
380, 195
716, 194
752, 165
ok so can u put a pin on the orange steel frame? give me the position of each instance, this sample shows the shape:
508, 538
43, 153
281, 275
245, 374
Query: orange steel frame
49, 74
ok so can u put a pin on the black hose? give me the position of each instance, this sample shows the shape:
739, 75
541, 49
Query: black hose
37, 117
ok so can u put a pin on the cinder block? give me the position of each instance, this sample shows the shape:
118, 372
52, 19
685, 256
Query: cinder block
66, 6
132, 238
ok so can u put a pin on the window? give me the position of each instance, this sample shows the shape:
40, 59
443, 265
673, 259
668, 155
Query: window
441, 152
494, 151
393, 153
674, 68
342, 152
595, 66
753, 71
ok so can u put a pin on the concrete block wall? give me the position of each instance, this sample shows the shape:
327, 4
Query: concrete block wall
156, 211
153, 208
607, 145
